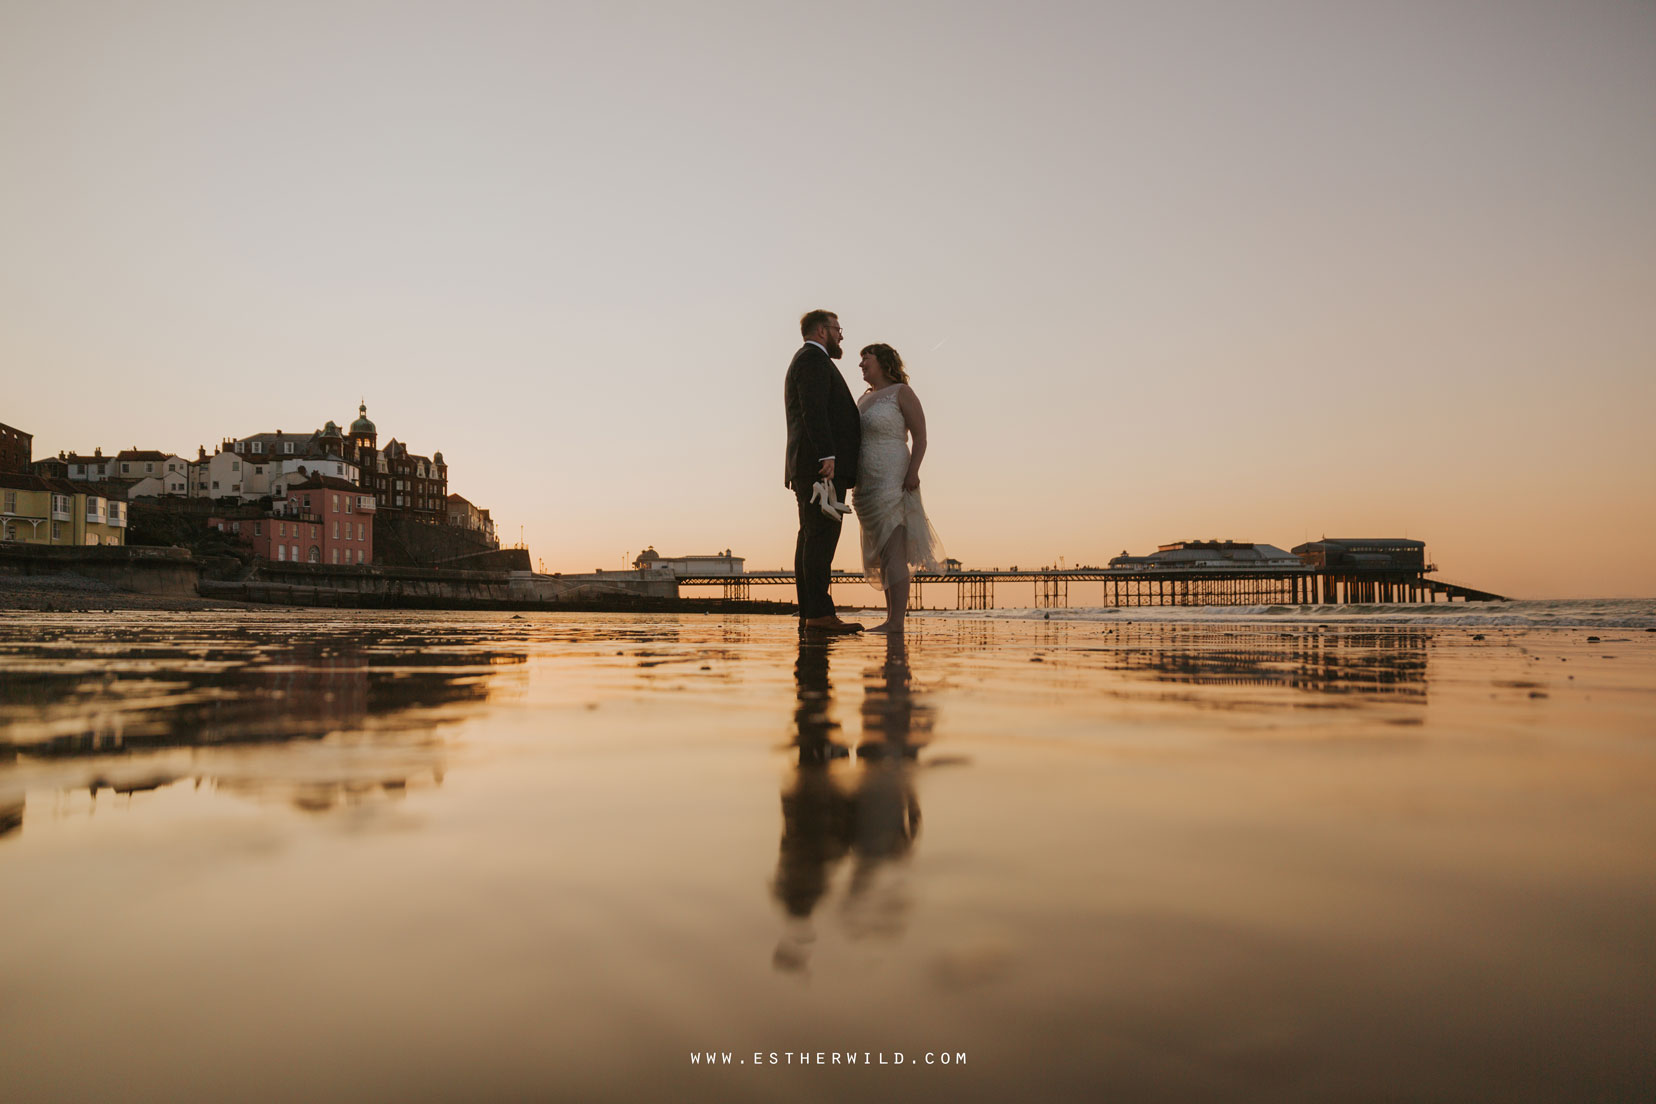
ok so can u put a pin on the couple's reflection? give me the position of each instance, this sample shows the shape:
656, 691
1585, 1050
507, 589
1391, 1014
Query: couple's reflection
844, 804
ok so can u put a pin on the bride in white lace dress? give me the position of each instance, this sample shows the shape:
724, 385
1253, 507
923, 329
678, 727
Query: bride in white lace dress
896, 537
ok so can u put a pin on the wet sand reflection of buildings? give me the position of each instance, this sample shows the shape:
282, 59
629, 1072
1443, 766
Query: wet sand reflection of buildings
317, 722
845, 805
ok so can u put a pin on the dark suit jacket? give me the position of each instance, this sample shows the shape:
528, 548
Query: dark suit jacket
822, 420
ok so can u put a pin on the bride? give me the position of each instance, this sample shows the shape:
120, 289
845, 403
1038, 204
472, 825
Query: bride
896, 536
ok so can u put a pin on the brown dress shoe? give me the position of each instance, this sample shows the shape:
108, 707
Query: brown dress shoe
830, 625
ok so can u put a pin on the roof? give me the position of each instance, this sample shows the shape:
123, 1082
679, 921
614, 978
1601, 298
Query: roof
141, 454
362, 424
17, 481
318, 482
1366, 542
459, 500
318, 453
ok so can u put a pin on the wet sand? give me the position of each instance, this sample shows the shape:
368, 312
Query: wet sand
314, 855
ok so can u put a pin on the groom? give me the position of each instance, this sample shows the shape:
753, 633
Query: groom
824, 434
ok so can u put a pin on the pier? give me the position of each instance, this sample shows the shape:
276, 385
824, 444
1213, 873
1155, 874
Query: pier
1127, 587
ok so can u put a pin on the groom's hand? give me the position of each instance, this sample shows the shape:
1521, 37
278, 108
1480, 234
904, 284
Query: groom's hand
827, 469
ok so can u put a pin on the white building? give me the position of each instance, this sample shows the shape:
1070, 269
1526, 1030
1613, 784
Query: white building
718, 563
1210, 554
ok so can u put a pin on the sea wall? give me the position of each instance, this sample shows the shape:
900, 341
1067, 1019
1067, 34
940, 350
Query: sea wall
382, 587
400, 540
171, 572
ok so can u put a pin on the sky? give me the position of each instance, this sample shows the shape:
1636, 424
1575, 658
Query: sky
1264, 271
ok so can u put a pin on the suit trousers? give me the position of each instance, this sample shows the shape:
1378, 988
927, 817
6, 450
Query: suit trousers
814, 554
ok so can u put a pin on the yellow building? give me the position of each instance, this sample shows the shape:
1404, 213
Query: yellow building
37, 509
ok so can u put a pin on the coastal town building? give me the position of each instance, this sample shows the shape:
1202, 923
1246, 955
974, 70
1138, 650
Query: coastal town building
128, 467
404, 484
37, 509
16, 450
273, 455
320, 520
134, 464
464, 515
228, 475
94, 468
718, 563
1209, 554
172, 479
1365, 553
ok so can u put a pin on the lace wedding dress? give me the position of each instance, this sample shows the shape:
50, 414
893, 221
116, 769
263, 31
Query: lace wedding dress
881, 504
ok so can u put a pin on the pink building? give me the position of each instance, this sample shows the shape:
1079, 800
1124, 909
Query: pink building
322, 520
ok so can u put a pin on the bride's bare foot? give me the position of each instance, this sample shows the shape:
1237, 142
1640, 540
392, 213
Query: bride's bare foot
882, 627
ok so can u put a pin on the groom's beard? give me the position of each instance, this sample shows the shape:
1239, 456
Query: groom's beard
834, 349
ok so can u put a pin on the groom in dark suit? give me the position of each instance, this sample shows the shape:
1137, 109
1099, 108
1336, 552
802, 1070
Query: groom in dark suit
824, 434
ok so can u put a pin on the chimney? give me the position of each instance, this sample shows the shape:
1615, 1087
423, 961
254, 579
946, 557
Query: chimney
97, 450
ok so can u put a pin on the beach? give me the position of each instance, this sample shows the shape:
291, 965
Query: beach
1142, 855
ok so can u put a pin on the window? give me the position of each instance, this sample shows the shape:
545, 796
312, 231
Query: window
359, 532
114, 512
359, 555
293, 550
315, 554
287, 447
149, 469
258, 469
336, 555
57, 530
258, 446
215, 484
258, 528
235, 526
347, 504
335, 508
125, 467
11, 502
235, 465
336, 530
281, 552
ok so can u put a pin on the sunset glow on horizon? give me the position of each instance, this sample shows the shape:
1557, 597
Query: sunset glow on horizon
1266, 272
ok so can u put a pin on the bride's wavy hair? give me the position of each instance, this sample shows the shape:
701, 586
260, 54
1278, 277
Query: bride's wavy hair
890, 363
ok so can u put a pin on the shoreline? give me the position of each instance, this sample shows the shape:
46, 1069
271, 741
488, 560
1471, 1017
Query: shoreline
77, 594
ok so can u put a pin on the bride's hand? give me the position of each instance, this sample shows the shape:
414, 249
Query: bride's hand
911, 481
